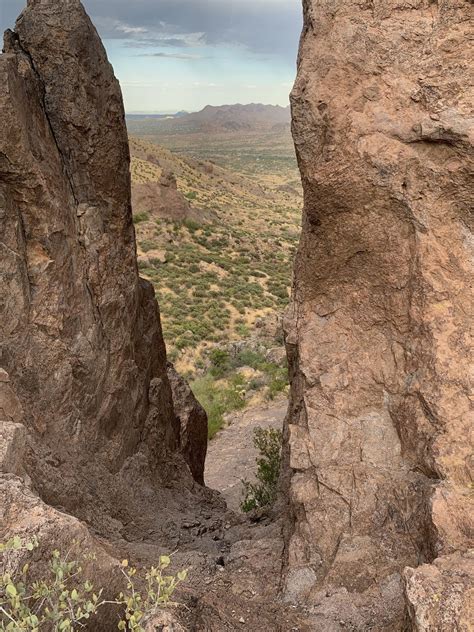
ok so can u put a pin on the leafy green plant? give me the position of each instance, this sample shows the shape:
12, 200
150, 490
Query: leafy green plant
62, 602
218, 399
58, 602
263, 493
159, 588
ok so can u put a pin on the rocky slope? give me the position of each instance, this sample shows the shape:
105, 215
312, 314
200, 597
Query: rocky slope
380, 429
83, 357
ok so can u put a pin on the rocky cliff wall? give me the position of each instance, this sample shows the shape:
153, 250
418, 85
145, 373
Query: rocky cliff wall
80, 334
380, 429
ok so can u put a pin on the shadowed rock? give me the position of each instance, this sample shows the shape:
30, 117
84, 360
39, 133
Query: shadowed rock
193, 424
80, 337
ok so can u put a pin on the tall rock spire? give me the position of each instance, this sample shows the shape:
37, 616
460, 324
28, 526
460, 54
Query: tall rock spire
80, 331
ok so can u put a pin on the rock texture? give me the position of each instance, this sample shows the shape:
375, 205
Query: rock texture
162, 199
441, 595
380, 429
80, 334
193, 424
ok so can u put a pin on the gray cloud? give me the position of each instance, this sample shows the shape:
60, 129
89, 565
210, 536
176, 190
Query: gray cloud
262, 26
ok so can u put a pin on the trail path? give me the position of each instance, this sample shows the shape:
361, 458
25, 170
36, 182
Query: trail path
231, 454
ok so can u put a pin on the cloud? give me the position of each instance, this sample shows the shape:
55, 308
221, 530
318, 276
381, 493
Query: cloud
201, 84
263, 27
130, 30
269, 27
183, 56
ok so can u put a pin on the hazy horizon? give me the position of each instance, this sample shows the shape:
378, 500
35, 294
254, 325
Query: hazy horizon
172, 112
186, 54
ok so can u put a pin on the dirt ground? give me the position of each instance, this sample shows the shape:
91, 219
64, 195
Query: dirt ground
231, 454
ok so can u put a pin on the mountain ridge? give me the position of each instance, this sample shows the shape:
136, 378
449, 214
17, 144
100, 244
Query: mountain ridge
223, 118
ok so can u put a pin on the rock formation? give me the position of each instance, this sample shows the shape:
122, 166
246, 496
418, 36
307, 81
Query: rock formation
80, 341
193, 424
378, 442
380, 429
162, 199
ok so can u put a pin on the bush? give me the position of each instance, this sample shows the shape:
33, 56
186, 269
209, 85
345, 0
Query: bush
263, 493
140, 217
191, 225
147, 245
220, 362
62, 602
278, 382
218, 399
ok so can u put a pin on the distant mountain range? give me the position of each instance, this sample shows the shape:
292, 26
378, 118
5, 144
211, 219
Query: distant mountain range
221, 119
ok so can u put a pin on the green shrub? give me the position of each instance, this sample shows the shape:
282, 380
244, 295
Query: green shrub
63, 602
278, 382
218, 399
220, 362
147, 245
190, 224
140, 217
263, 493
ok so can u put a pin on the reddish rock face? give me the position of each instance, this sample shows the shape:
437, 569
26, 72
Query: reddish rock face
161, 198
380, 429
80, 337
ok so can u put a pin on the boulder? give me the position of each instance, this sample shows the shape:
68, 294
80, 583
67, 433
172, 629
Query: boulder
441, 595
276, 355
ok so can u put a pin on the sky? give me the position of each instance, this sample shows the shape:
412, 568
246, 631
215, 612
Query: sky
172, 55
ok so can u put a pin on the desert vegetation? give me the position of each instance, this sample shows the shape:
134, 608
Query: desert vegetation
226, 266
263, 492
223, 267
63, 600
232, 382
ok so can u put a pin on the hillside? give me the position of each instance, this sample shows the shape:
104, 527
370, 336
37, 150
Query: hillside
255, 141
220, 254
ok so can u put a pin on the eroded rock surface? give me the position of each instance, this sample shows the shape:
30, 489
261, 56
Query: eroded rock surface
441, 595
380, 431
80, 337
162, 199
193, 424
